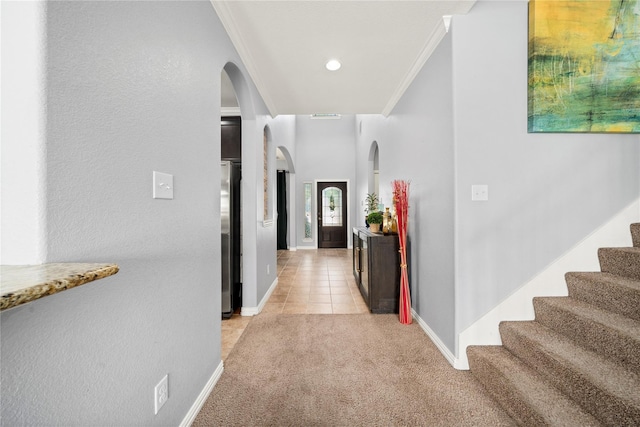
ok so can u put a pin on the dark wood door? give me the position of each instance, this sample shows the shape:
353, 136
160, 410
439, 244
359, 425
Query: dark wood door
332, 214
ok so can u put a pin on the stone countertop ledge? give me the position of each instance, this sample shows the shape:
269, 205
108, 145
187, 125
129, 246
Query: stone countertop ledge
24, 283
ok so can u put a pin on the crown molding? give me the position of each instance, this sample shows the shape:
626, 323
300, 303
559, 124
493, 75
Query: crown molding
447, 21
229, 24
427, 50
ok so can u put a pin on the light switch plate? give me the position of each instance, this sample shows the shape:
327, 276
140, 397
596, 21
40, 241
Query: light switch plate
479, 193
162, 185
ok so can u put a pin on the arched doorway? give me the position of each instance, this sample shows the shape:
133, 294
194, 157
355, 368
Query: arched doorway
230, 198
373, 169
285, 199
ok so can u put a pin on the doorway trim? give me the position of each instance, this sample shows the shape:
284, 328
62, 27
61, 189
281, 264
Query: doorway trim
373, 169
248, 192
315, 208
291, 197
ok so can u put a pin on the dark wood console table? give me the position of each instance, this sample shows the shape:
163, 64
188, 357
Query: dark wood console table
376, 267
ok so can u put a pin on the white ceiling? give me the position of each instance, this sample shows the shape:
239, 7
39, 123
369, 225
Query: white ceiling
381, 44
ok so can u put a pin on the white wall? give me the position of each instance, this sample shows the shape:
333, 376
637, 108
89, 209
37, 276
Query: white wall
325, 150
131, 87
463, 121
23, 119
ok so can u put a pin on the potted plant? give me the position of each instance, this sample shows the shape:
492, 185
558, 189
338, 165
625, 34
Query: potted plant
371, 205
374, 219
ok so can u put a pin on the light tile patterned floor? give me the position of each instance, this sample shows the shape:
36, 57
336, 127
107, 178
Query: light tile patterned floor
318, 281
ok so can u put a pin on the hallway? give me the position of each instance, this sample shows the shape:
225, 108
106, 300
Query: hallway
318, 281
341, 370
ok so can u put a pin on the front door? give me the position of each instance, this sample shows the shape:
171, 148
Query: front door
332, 214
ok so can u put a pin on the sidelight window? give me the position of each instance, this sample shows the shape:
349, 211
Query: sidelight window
307, 211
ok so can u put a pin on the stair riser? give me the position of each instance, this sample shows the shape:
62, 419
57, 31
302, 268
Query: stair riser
620, 262
501, 390
605, 295
635, 234
598, 402
573, 351
591, 335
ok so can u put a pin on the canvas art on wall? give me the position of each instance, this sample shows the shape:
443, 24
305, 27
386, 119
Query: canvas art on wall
584, 66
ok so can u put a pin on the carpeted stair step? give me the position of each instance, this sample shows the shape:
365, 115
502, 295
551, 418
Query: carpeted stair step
524, 394
635, 234
621, 261
601, 386
610, 292
610, 334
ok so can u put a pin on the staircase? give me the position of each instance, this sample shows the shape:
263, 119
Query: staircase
578, 362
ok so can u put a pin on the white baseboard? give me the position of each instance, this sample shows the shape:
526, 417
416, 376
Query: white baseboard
252, 311
202, 397
549, 282
293, 248
437, 341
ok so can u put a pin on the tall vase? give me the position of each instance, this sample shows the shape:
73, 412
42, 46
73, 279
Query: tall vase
401, 202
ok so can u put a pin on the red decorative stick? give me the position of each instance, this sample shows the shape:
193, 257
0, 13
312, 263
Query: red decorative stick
401, 204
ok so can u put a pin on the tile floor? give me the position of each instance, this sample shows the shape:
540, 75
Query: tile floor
316, 281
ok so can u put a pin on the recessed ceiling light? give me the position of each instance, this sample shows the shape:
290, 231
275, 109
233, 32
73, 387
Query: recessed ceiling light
333, 65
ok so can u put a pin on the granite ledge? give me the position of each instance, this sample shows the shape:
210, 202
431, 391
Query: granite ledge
24, 283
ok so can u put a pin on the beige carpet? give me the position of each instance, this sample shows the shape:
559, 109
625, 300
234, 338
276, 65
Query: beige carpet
343, 370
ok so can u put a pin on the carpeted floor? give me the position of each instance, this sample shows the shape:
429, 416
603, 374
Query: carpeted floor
339, 370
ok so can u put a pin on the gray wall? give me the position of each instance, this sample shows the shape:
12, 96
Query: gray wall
325, 150
131, 87
463, 121
416, 143
546, 191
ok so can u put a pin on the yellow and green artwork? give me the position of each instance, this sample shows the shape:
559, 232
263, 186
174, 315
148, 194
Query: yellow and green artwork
584, 66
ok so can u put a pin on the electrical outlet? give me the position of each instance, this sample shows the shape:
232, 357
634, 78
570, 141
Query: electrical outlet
161, 393
268, 268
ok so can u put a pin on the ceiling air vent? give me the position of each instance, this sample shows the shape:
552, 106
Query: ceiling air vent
326, 116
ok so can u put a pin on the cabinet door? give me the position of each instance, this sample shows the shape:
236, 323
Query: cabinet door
231, 139
356, 258
384, 274
364, 268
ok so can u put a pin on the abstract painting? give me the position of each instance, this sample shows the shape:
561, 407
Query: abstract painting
584, 66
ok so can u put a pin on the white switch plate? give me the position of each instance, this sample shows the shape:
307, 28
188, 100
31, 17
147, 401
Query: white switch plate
162, 185
479, 193
161, 393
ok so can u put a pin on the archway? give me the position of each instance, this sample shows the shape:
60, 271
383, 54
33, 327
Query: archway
244, 115
373, 169
249, 193
285, 199
230, 198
